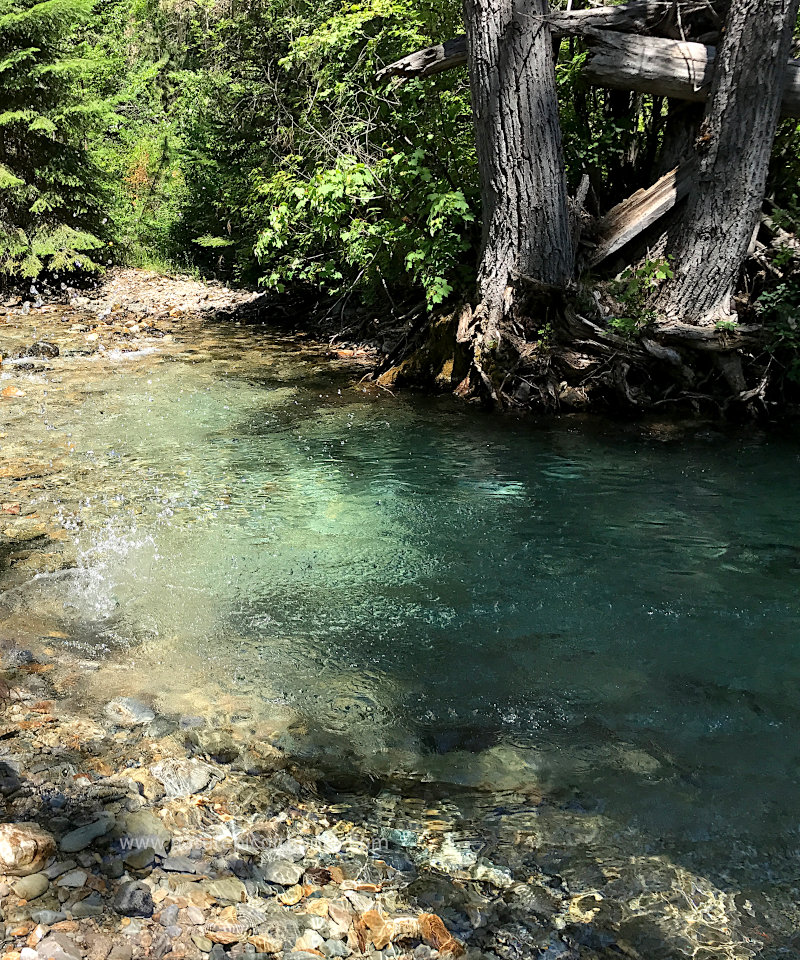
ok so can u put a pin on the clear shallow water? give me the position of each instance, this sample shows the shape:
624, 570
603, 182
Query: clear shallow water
587, 638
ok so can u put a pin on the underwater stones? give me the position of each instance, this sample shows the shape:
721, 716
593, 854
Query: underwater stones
86, 908
265, 943
128, 712
227, 890
335, 948
73, 878
309, 941
290, 849
134, 899
182, 778
169, 915
142, 828
488, 872
454, 857
40, 348
16, 657
47, 917
24, 848
328, 842
80, 838
284, 872
140, 859
217, 745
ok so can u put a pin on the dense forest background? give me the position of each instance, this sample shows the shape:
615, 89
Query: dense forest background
249, 140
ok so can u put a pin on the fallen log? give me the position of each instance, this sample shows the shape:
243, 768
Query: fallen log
654, 65
640, 16
633, 216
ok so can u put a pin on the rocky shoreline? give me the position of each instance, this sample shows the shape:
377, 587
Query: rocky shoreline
137, 835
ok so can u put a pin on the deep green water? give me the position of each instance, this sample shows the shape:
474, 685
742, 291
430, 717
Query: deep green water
585, 636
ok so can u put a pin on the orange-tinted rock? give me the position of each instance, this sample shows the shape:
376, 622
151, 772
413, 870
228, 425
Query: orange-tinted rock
25, 848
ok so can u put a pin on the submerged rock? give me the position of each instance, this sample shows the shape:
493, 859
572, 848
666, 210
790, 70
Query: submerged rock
284, 872
182, 778
41, 348
128, 712
25, 848
141, 829
58, 946
227, 890
79, 839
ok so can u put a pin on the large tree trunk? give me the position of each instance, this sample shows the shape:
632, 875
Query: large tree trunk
732, 156
526, 223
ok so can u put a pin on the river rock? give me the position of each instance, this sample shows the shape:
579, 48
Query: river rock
143, 828
16, 657
227, 890
25, 848
32, 886
310, 940
47, 917
58, 868
74, 878
140, 859
488, 872
121, 951
329, 842
265, 943
335, 948
195, 915
85, 908
182, 778
58, 946
81, 838
289, 850
42, 348
128, 712
134, 899
169, 915
178, 865
284, 872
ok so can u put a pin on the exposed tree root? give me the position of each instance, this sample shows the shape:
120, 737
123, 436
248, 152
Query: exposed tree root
554, 357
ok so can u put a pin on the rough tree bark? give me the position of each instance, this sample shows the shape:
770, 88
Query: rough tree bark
526, 227
527, 237
732, 152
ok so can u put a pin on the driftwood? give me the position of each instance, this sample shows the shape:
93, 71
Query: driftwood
654, 65
634, 215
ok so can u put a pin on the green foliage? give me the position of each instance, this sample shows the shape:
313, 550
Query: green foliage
50, 198
252, 142
779, 310
369, 224
634, 288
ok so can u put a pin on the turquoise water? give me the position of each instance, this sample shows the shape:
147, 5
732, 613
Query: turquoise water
588, 637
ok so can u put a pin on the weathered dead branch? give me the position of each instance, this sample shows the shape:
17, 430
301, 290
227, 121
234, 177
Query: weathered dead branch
654, 65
